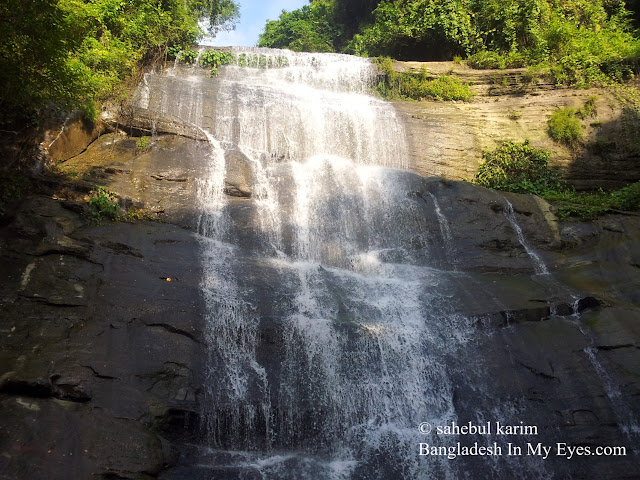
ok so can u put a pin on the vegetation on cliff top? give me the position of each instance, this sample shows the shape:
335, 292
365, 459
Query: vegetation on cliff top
580, 42
73, 53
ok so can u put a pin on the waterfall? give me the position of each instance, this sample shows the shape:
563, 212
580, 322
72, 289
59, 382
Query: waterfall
317, 105
627, 421
332, 335
359, 367
442, 220
624, 414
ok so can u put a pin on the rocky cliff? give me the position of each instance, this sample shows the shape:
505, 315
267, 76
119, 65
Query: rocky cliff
103, 336
447, 138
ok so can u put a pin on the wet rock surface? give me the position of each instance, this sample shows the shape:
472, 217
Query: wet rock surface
72, 138
102, 331
101, 353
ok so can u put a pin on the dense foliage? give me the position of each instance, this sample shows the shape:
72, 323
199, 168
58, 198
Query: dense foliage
418, 29
213, 58
311, 28
72, 53
521, 168
589, 205
104, 204
517, 167
581, 41
565, 126
566, 123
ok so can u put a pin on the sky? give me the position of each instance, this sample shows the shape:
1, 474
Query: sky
253, 16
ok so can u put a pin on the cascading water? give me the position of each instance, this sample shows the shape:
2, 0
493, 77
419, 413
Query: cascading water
445, 229
331, 334
540, 267
355, 372
316, 105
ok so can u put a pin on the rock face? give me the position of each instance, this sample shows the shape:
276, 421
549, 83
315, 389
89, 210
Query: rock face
103, 346
103, 355
111, 366
146, 177
447, 139
71, 138
100, 351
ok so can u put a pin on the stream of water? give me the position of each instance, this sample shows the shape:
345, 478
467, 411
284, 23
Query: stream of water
359, 364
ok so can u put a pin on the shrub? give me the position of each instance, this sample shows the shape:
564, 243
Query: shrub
584, 205
485, 59
404, 85
533, 73
627, 198
517, 167
213, 58
142, 143
589, 109
445, 88
565, 126
188, 56
589, 205
173, 52
104, 204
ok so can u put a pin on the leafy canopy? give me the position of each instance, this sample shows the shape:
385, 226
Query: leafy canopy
222, 15
309, 29
72, 53
582, 41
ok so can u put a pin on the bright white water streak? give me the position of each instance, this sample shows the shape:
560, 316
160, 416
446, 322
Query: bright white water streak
330, 71
231, 333
365, 357
539, 266
316, 104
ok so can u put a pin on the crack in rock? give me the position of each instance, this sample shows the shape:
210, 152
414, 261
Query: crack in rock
172, 329
539, 373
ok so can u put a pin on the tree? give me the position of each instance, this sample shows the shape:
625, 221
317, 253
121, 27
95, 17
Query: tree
418, 29
583, 42
311, 28
72, 53
34, 67
222, 15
